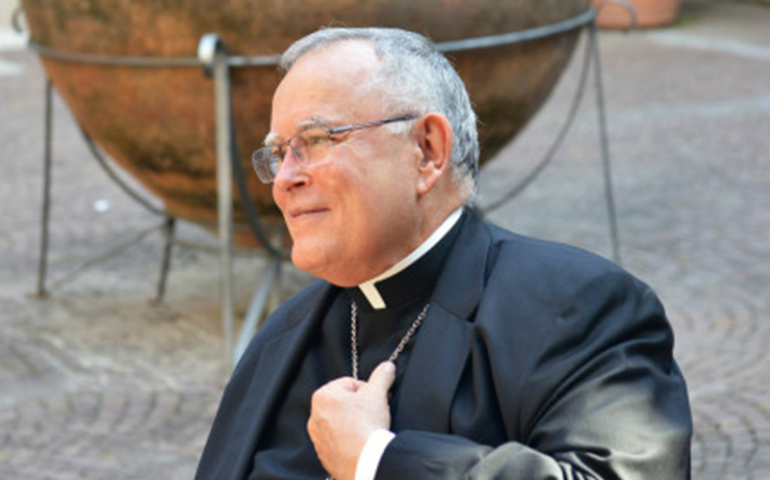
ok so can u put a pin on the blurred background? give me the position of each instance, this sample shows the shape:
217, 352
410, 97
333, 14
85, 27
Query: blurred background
98, 381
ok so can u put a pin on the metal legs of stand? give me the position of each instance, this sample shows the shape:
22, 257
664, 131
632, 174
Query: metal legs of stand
605, 142
42, 269
233, 349
270, 277
214, 59
167, 226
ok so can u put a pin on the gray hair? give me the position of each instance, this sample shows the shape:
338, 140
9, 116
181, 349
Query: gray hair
413, 77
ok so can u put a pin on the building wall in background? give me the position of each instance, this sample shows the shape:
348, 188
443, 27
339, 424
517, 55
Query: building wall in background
6, 10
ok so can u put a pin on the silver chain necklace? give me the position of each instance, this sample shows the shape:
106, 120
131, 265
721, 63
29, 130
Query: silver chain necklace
399, 347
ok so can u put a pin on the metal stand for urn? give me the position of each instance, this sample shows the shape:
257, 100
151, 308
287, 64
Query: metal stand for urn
216, 63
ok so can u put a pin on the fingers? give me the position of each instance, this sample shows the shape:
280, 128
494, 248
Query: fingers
382, 378
345, 384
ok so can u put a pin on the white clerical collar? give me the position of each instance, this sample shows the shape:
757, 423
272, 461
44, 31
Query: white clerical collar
369, 288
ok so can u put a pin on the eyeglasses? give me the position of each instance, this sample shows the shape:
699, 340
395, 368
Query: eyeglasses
309, 146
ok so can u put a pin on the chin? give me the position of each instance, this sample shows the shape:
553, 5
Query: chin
308, 259
321, 264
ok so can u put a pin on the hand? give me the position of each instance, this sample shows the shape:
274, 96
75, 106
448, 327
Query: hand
343, 414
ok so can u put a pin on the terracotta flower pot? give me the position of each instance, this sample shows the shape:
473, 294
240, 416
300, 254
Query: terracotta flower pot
158, 123
649, 13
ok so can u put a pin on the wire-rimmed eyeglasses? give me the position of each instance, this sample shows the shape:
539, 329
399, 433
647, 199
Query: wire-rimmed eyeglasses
309, 146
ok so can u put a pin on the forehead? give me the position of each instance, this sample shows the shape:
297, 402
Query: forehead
331, 85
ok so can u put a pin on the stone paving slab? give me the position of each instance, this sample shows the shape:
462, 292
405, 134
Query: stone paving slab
97, 382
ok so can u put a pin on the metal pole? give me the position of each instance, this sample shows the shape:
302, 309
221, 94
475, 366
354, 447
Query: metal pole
225, 200
46, 210
608, 190
213, 55
252, 321
168, 233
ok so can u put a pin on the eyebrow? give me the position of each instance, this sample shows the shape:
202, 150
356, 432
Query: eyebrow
273, 138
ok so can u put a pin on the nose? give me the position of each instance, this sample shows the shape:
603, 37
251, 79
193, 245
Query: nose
290, 173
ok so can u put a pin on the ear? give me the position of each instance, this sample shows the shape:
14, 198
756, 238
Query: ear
434, 139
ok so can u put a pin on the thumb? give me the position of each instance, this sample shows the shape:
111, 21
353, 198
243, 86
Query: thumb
382, 377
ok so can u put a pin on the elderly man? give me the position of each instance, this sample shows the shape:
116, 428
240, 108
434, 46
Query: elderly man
436, 346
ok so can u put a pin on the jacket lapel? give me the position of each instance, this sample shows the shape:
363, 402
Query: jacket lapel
443, 343
270, 374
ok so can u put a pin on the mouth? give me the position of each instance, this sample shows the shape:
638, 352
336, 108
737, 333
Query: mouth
305, 213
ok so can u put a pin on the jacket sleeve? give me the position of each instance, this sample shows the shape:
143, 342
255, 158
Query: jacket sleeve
604, 398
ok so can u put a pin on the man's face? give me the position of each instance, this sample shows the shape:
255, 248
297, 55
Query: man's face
353, 215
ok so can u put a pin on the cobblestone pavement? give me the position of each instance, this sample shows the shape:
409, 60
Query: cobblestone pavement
97, 382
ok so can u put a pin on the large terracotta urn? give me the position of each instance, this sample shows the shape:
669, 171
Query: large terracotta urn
158, 122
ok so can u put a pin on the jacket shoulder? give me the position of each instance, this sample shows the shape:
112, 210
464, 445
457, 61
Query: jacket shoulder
549, 273
547, 254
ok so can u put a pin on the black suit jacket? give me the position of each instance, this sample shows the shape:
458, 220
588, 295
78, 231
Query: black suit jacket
580, 355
